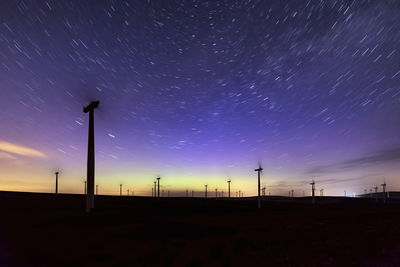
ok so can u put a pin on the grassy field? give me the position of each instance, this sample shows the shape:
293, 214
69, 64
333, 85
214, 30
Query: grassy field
49, 230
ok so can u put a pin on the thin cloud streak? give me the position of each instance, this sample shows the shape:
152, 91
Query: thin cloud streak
20, 150
380, 157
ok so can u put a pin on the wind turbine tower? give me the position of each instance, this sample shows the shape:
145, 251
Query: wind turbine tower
120, 190
158, 187
259, 171
56, 182
90, 159
97, 189
206, 191
85, 187
384, 191
216, 193
313, 191
229, 188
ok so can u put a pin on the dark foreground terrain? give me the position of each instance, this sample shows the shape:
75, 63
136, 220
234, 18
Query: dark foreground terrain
49, 230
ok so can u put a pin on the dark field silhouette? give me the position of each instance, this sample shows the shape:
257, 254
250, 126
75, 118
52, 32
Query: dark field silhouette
48, 230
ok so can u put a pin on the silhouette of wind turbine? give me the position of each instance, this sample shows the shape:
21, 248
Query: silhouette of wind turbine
206, 191
155, 188
384, 191
229, 188
313, 191
56, 173
90, 160
97, 189
158, 187
259, 171
120, 190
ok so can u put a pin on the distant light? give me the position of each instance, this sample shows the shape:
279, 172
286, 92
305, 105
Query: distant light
111, 135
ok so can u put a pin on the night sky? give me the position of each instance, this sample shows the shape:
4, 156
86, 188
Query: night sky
201, 91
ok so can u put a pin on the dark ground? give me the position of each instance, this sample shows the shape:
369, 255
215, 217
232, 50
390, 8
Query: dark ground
49, 230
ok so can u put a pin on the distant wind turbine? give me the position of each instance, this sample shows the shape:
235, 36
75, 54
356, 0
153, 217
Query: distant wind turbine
56, 173
259, 171
313, 191
158, 188
384, 191
229, 188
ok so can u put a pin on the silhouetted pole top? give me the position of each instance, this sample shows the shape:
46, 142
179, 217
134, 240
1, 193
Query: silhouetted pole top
91, 106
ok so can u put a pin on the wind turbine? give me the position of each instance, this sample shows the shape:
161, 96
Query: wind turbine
158, 187
127, 192
97, 189
120, 189
259, 171
216, 193
384, 191
206, 191
56, 173
313, 191
85, 187
90, 159
292, 193
155, 188
187, 193
229, 188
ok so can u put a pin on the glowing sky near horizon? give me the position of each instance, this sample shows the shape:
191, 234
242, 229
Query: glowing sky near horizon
199, 91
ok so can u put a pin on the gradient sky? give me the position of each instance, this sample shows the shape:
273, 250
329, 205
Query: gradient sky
199, 91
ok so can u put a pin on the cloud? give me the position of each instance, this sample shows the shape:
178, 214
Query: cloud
4, 155
19, 150
379, 157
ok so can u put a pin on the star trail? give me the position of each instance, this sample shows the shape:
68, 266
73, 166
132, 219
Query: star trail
198, 92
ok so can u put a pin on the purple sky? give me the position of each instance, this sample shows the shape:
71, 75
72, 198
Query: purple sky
200, 91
